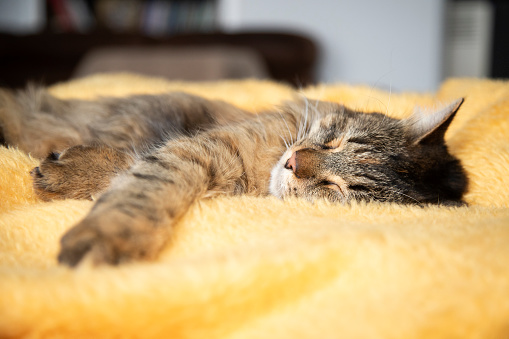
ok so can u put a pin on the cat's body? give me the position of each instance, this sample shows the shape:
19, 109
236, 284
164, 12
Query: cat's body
148, 158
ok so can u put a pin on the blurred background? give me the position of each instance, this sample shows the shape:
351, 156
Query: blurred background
409, 45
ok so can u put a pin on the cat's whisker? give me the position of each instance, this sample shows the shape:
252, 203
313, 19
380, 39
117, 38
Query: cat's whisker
287, 127
303, 124
311, 115
284, 140
374, 86
316, 115
406, 195
390, 94
380, 102
282, 135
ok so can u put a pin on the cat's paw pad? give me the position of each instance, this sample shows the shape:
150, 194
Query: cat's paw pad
78, 173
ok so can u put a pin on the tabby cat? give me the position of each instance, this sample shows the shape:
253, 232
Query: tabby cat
146, 158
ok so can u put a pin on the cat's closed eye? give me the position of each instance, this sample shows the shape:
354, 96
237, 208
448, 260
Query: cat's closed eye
340, 142
331, 185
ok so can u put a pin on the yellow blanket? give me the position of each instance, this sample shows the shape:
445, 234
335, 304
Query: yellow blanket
264, 268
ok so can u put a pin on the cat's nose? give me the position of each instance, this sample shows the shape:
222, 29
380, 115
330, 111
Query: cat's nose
291, 163
304, 163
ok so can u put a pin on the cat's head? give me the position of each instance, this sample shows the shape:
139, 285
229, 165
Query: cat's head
346, 155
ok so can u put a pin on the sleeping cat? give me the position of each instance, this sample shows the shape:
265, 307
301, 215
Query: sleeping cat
147, 158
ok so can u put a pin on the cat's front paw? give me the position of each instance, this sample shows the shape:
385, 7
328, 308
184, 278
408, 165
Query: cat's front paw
78, 173
111, 239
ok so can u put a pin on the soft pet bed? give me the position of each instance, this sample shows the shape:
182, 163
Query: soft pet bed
245, 267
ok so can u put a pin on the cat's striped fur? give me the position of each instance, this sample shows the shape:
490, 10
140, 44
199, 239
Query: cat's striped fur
148, 158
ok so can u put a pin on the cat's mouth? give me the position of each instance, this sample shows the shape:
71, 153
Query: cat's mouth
280, 176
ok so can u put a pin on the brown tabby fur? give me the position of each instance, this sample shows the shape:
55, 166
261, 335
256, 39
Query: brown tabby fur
148, 158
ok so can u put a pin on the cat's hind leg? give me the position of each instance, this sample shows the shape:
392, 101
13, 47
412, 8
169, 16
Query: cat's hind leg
79, 172
37, 123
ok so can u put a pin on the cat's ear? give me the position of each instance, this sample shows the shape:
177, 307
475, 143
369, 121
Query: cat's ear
429, 128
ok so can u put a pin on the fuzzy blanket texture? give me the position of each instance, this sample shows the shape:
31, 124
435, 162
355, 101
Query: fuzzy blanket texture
242, 267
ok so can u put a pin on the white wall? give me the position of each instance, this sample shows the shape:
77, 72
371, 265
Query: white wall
22, 16
381, 43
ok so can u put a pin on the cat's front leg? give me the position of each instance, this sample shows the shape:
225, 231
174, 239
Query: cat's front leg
135, 218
